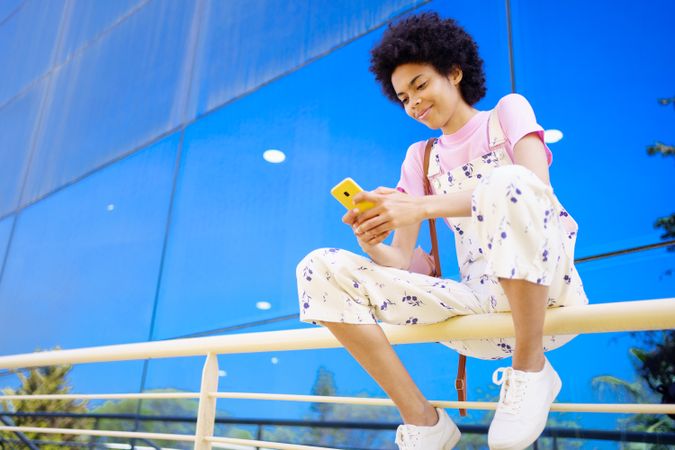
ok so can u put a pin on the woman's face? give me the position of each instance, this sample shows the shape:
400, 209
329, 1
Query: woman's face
426, 95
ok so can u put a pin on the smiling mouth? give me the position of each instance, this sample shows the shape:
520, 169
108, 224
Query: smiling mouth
424, 114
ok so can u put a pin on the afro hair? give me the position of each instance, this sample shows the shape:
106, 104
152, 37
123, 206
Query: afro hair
427, 39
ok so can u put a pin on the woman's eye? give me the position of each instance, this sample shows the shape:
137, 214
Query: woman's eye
422, 86
404, 101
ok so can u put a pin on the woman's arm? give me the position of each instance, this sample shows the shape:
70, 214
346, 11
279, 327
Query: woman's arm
399, 253
457, 204
395, 210
386, 255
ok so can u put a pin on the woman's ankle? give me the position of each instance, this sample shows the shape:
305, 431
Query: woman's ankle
426, 418
528, 362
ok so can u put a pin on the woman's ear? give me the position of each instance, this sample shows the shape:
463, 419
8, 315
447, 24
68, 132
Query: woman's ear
455, 75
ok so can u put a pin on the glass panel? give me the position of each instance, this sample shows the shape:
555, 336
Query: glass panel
638, 276
285, 35
83, 265
121, 93
9, 7
238, 218
241, 225
87, 19
608, 112
17, 125
5, 230
93, 378
33, 31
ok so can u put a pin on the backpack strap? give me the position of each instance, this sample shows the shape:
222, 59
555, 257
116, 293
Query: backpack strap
432, 222
460, 380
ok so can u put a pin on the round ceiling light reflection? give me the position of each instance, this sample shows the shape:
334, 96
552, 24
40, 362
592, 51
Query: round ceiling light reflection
552, 136
274, 156
263, 305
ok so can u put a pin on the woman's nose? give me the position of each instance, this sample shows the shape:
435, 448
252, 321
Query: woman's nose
414, 104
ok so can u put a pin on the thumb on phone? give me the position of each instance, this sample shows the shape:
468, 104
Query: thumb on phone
385, 190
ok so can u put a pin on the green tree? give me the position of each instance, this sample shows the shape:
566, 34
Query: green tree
655, 367
46, 380
325, 385
659, 148
161, 407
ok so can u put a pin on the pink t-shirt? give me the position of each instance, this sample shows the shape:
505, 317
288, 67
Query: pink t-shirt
471, 141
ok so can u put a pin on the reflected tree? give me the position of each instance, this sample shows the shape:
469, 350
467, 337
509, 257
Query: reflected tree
667, 223
42, 381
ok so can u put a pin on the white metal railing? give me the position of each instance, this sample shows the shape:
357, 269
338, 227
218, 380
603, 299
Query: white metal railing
608, 317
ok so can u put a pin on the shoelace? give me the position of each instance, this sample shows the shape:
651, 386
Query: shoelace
405, 437
514, 386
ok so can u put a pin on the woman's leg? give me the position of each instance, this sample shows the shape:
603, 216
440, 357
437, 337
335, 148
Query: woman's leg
523, 235
369, 346
528, 307
348, 294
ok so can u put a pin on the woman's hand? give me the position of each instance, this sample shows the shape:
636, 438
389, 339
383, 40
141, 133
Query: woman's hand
393, 209
372, 241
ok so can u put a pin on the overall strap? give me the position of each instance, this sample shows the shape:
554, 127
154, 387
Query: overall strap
496, 136
460, 380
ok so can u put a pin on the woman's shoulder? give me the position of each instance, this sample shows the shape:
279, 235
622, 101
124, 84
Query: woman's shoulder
515, 110
416, 149
513, 101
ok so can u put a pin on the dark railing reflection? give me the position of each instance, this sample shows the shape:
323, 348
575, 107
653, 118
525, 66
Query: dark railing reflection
555, 433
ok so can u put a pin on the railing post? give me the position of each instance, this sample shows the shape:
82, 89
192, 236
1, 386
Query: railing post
206, 414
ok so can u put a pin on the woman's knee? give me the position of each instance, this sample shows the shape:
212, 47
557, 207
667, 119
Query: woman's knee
307, 266
321, 260
510, 184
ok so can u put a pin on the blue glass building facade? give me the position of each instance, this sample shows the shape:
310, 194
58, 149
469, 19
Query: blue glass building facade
135, 203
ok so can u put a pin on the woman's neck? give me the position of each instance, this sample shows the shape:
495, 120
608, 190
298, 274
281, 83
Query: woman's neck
462, 115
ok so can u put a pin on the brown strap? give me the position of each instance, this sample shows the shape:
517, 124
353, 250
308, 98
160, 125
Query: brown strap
460, 381
432, 221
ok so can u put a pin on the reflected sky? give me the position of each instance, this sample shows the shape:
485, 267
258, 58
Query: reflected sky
197, 228
83, 264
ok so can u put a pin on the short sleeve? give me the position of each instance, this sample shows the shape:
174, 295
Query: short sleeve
518, 120
412, 179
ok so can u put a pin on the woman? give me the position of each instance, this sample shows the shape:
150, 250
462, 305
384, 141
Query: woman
515, 242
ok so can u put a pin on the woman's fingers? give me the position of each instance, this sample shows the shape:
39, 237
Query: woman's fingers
378, 238
350, 217
371, 225
385, 190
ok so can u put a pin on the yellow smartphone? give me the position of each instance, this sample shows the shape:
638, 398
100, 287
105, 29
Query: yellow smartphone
345, 191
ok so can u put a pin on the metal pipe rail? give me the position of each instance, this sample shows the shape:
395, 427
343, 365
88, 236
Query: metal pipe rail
552, 432
601, 318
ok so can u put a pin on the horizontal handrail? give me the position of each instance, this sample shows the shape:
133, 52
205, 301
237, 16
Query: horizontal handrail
630, 408
637, 408
167, 436
255, 443
576, 433
140, 396
104, 433
600, 318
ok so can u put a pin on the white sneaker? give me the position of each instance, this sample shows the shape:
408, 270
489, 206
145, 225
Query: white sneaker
442, 436
524, 402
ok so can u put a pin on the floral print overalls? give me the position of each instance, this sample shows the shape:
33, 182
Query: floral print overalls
518, 230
